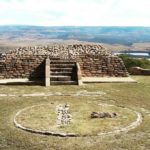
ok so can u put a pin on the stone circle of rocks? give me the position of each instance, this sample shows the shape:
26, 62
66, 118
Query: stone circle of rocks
80, 93
63, 115
103, 115
125, 129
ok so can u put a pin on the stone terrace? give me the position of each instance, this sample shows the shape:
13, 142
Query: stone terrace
29, 62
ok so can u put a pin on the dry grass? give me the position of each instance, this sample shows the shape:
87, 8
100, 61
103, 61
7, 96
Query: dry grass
132, 95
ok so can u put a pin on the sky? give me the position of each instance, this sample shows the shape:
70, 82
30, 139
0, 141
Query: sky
75, 12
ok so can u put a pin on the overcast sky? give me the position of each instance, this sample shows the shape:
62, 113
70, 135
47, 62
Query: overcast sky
75, 12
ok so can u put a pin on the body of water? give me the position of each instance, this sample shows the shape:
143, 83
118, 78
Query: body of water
139, 54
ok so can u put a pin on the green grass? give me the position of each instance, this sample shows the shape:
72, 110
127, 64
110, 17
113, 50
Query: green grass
135, 62
133, 95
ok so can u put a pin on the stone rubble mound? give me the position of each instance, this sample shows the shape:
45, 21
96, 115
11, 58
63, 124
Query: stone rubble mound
61, 51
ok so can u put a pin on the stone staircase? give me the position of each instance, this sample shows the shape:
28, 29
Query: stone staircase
63, 72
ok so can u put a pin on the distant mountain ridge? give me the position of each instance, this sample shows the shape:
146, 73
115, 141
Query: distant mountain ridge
109, 35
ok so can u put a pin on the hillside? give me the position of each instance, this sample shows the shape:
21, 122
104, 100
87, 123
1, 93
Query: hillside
114, 38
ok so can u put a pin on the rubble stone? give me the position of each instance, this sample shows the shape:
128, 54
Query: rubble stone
63, 115
103, 115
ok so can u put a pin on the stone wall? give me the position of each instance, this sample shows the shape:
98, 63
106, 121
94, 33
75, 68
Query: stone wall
28, 62
26, 66
101, 65
139, 71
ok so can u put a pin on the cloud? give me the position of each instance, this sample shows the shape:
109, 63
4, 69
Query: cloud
75, 12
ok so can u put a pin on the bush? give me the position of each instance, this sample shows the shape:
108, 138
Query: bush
135, 62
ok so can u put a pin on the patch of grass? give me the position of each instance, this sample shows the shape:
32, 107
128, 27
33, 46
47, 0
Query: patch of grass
133, 95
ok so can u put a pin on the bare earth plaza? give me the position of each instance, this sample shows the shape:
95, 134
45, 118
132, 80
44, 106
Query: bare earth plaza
71, 97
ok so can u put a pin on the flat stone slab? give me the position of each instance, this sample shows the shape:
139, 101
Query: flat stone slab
19, 81
6, 81
107, 80
84, 80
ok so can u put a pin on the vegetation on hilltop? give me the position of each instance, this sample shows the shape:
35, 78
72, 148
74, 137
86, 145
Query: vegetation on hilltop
109, 35
135, 62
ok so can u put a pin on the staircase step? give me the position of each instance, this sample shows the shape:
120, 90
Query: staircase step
63, 82
61, 69
62, 65
62, 62
60, 78
61, 73
54, 59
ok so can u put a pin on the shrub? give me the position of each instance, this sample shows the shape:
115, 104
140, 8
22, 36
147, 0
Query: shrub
135, 62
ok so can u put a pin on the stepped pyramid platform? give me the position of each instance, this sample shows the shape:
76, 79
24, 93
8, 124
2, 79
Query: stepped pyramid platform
61, 64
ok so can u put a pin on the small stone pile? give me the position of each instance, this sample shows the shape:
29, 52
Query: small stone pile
103, 115
63, 115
